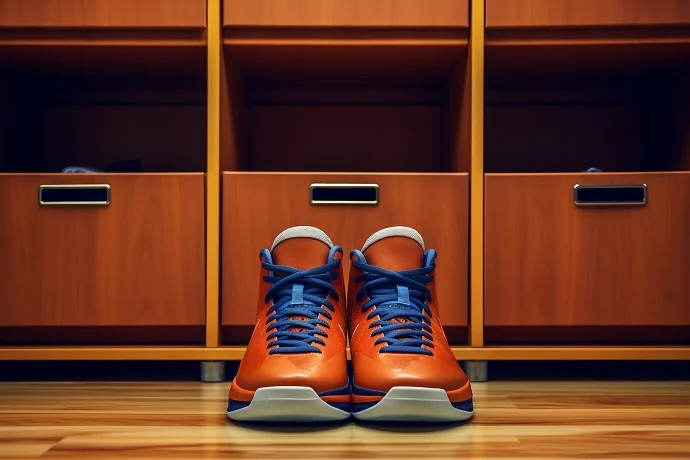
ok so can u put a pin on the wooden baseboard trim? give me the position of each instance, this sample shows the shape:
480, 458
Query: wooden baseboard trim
125, 353
152, 353
578, 353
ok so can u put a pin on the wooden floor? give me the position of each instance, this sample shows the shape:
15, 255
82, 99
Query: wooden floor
548, 420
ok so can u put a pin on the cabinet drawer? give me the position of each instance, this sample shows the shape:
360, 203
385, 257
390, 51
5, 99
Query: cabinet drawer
346, 13
137, 261
586, 13
552, 262
103, 13
258, 206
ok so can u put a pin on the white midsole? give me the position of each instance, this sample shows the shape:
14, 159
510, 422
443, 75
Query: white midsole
414, 404
287, 404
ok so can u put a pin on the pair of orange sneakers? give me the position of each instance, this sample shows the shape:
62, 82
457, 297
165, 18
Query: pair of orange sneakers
295, 367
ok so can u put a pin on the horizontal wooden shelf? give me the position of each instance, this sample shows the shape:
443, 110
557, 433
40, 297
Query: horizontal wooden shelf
103, 14
333, 60
566, 41
121, 353
585, 13
346, 13
572, 353
236, 353
105, 336
85, 64
616, 335
545, 61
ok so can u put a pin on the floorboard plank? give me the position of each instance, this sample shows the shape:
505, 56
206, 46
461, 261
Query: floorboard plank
186, 420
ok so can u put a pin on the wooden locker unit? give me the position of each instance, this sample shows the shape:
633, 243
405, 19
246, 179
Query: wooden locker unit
475, 125
562, 98
336, 106
103, 83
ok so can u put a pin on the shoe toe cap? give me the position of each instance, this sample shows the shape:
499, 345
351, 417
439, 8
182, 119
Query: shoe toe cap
392, 370
307, 370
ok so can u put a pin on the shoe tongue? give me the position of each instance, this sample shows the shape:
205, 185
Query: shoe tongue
301, 247
395, 249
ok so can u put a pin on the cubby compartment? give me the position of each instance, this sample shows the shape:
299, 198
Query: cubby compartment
80, 104
116, 253
345, 105
580, 255
571, 107
389, 116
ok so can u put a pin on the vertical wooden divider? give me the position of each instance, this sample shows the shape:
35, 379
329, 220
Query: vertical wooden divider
476, 73
214, 50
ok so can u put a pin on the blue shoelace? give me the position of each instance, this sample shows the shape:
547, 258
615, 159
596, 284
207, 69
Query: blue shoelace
299, 297
398, 296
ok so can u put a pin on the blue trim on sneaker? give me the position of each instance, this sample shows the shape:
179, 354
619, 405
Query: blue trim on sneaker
345, 407
236, 405
467, 406
361, 391
337, 391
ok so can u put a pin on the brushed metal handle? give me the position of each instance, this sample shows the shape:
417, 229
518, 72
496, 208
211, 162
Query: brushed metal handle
610, 194
74, 195
366, 194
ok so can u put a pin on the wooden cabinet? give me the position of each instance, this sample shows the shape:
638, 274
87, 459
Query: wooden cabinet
137, 261
550, 262
257, 206
586, 13
346, 13
103, 13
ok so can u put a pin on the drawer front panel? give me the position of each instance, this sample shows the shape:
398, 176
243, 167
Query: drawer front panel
621, 258
346, 13
586, 13
103, 13
258, 206
136, 260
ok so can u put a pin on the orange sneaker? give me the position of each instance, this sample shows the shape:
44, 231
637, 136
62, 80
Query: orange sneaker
404, 369
295, 367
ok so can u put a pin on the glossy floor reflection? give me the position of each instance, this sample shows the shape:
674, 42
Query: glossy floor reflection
186, 420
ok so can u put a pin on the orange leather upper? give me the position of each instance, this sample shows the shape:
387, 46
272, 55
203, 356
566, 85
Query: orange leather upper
320, 371
382, 371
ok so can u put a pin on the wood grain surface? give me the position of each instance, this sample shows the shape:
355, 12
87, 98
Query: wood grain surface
136, 262
346, 13
103, 13
258, 206
551, 263
513, 420
586, 13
